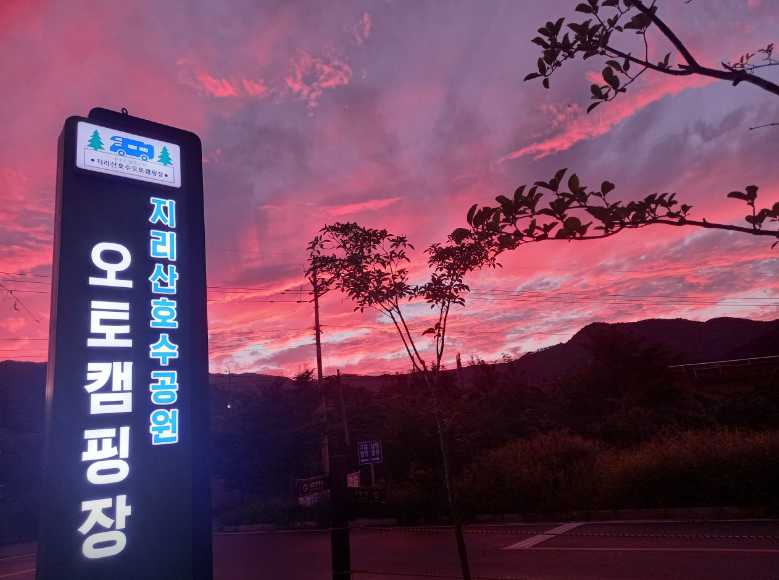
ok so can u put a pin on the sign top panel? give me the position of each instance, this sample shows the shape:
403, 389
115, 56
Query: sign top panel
127, 155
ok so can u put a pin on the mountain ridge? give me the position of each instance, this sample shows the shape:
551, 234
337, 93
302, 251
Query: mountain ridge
683, 341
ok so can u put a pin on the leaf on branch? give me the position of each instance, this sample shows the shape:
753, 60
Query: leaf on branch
506, 241
593, 105
532, 76
573, 183
471, 212
558, 177
584, 8
503, 200
572, 223
430, 330
614, 64
606, 187
751, 192
610, 78
460, 235
638, 22
545, 82
738, 195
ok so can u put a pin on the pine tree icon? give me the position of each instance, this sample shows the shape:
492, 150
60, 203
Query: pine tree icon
95, 142
164, 157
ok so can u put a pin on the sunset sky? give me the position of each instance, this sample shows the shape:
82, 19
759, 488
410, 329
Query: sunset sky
396, 114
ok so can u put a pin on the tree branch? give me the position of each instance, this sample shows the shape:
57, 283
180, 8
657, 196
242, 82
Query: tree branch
764, 126
649, 65
403, 338
410, 338
669, 34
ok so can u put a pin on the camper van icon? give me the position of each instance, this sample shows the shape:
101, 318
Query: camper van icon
124, 146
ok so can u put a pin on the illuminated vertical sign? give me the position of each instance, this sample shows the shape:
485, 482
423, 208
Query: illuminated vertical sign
126, 468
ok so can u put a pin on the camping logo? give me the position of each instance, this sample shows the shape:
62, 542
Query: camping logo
109, 151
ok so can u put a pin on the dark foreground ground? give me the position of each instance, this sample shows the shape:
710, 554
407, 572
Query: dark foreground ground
595, 551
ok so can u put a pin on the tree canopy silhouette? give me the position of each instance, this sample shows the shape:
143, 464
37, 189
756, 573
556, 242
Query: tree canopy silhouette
370, 266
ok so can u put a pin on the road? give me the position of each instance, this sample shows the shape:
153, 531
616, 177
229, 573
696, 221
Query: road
555, 551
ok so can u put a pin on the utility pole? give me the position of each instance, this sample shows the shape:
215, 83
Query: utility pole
344, 417
335, 466
320, 381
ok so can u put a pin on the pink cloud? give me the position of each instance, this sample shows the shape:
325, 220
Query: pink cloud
216, 87
255, 88
310, 76
221, 87
591, 126
370, 205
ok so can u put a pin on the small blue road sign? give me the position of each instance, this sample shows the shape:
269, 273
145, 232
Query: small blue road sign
370, 452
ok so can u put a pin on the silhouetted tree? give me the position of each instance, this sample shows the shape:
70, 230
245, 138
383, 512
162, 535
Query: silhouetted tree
304, 377
369, 266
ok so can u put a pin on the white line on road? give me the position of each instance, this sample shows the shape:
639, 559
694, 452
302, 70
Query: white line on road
547, 535
19, 573
669, 549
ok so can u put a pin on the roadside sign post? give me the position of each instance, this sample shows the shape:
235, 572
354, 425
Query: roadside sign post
370, 453
312, 490
126, 485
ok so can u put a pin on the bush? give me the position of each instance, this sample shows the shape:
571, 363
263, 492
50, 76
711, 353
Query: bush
560, 471
548, 472
690, 469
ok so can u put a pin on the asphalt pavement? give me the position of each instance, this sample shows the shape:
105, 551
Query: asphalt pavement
737, 550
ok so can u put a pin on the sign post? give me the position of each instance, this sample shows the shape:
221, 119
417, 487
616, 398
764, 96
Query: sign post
126, 488
312, 490
370, 453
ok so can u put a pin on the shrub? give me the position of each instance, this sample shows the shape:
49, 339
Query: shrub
560, 471
692, 468
544, 473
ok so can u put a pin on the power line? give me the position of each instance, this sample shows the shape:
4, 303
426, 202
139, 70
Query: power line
210, 301
25, 274
588, 294
25, 281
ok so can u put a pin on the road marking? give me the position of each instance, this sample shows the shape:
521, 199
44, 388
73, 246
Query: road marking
19, 573
669, 549
547, 535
